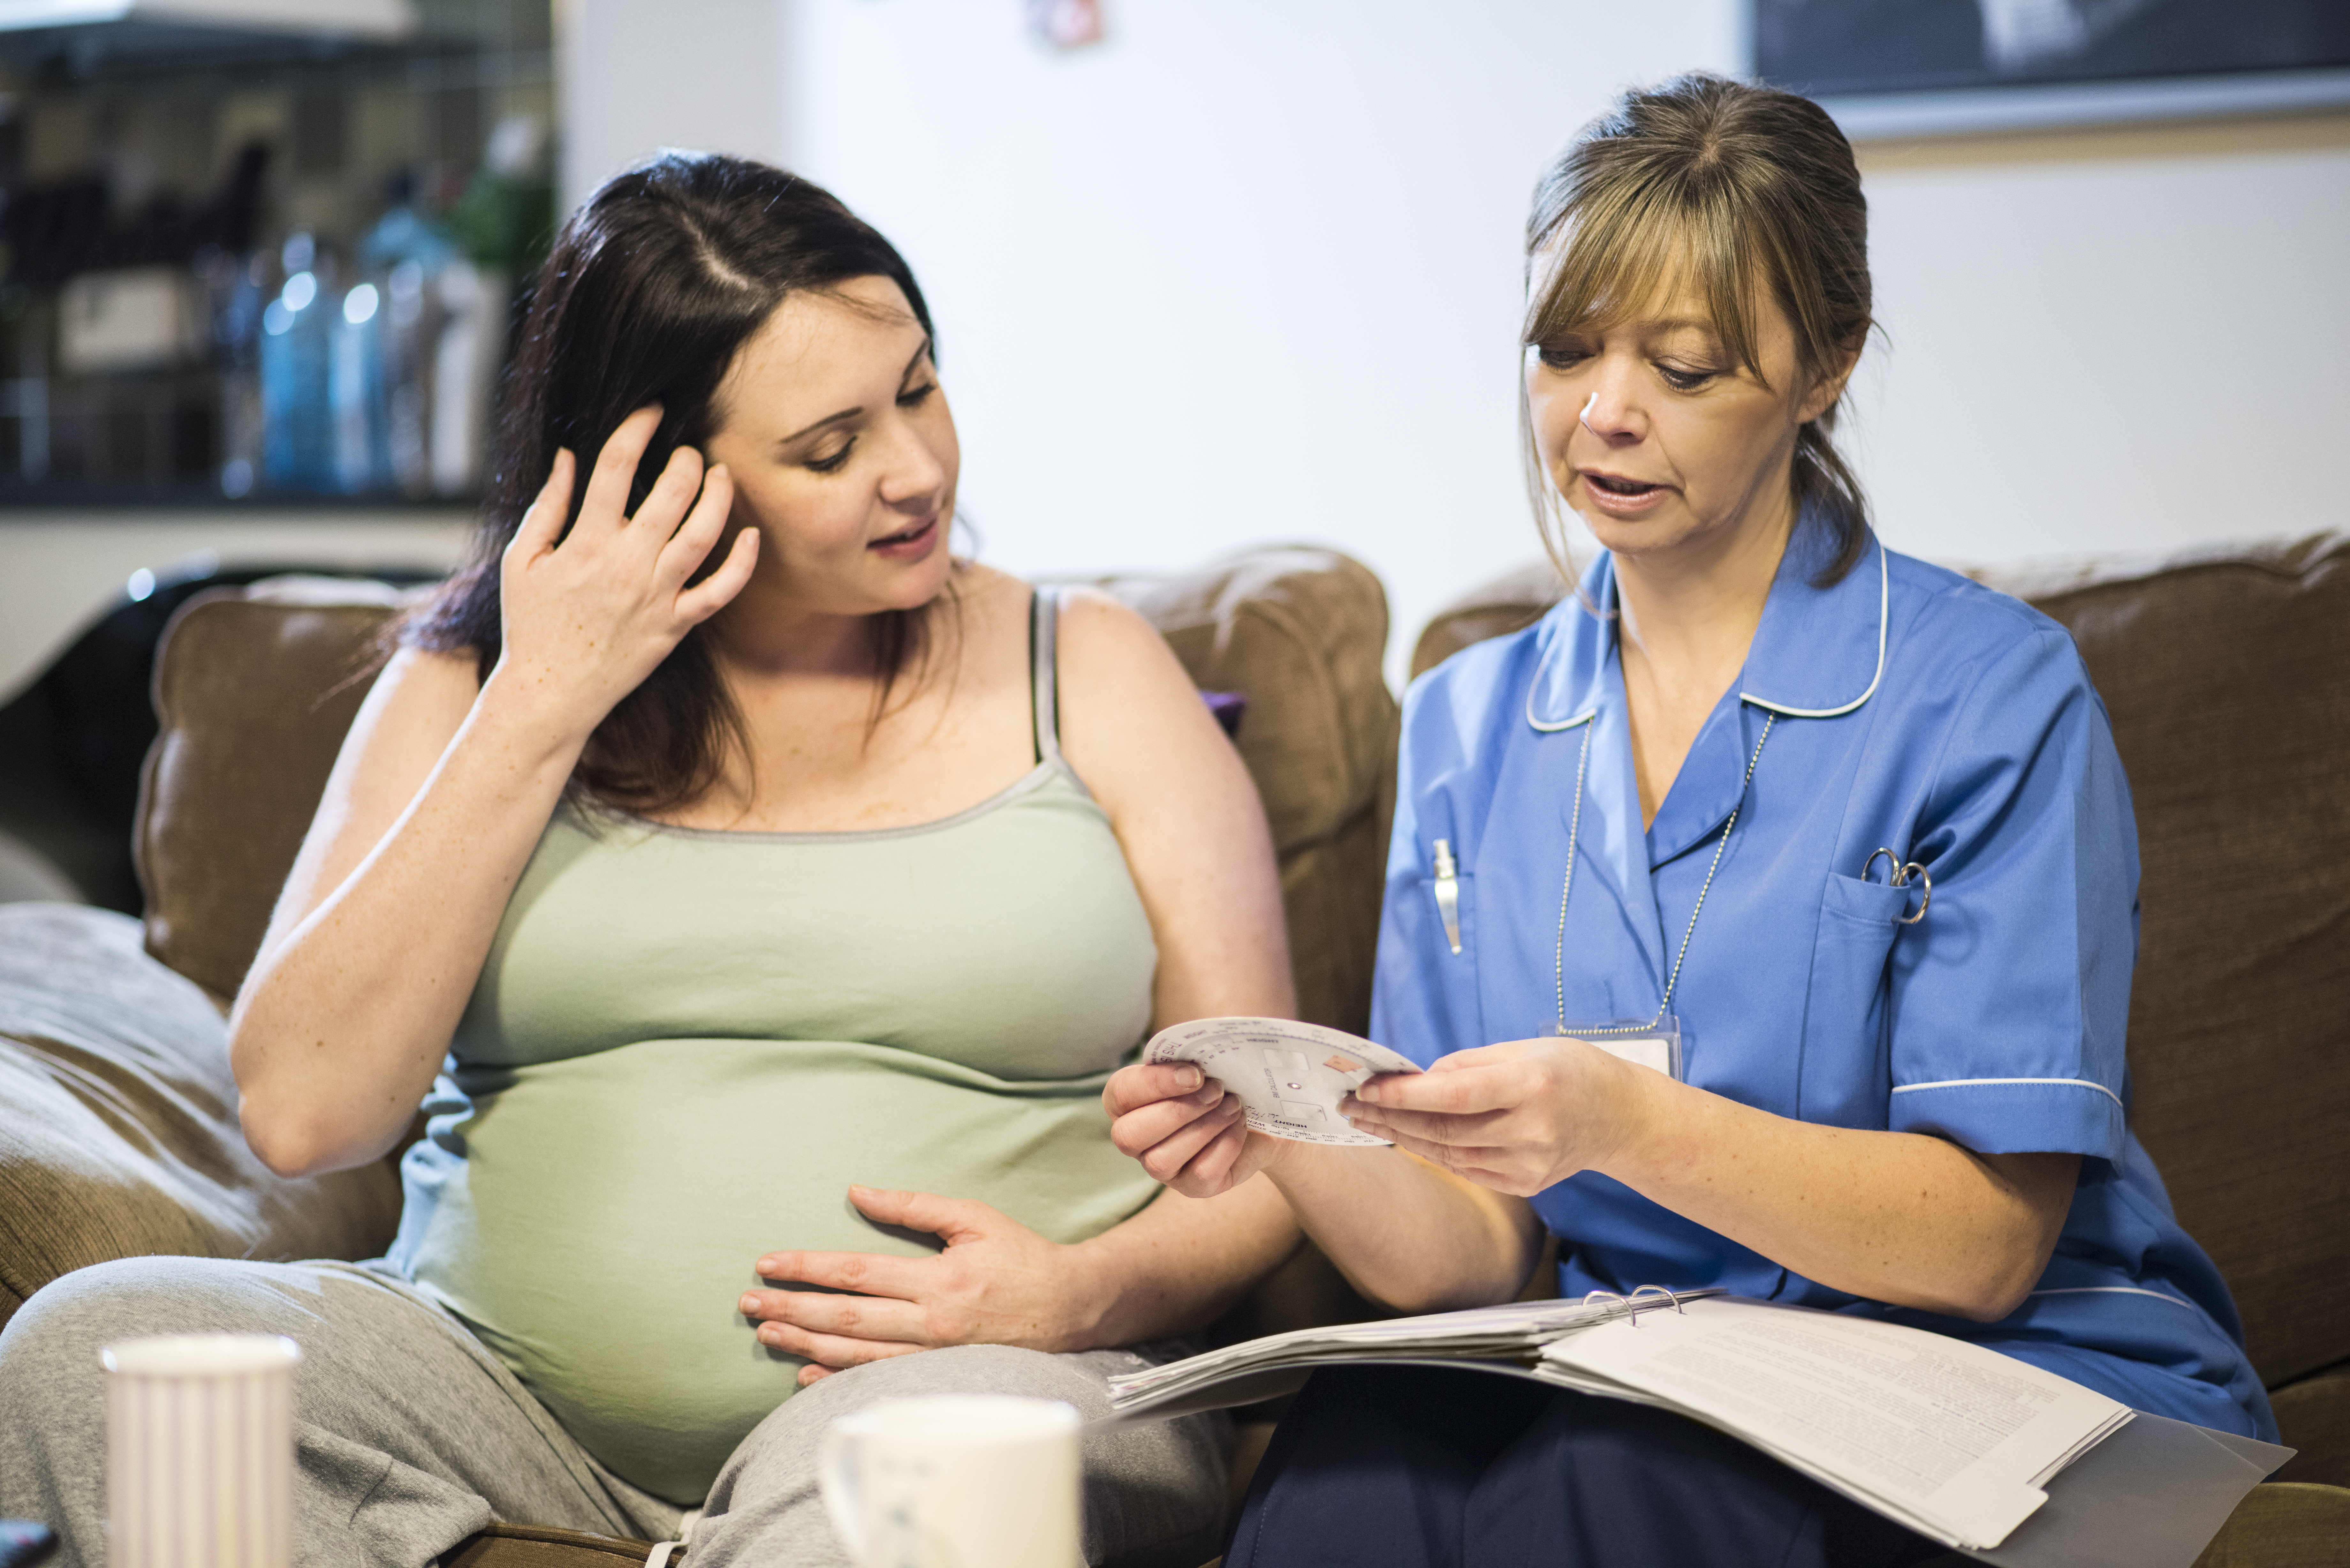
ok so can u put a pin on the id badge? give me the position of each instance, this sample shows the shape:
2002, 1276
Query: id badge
1636, 1041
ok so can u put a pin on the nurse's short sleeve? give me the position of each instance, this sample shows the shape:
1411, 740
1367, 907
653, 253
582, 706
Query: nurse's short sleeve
2009, 1000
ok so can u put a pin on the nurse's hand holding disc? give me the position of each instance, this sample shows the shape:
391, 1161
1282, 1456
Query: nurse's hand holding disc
1288, 1077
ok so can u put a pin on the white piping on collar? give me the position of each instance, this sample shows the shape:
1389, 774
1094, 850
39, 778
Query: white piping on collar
1554, 726
1884, 601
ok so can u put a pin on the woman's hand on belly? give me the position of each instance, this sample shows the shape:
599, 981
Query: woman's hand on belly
997, 1282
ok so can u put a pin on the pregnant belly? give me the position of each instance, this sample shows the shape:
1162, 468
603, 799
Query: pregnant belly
596, 1219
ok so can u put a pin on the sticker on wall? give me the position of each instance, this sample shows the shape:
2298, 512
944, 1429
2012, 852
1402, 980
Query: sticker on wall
1064, 23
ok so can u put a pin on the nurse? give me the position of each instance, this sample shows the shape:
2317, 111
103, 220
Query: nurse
1765, 916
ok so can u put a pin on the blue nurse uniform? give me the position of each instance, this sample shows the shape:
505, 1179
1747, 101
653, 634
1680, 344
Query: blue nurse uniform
1908, 709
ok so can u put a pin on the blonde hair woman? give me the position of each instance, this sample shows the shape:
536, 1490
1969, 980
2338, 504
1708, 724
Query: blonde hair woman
1644, 845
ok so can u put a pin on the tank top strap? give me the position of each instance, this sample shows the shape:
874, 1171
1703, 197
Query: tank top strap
1044, 670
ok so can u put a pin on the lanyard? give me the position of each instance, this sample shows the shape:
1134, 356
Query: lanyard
1574, 832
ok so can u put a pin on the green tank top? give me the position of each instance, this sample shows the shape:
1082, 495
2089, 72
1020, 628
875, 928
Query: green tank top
685, 1046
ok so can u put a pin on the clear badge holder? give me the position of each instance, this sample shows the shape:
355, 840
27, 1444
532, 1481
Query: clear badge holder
1654, 1042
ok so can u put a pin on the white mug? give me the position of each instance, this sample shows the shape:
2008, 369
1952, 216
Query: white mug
955, 1480
200, 1451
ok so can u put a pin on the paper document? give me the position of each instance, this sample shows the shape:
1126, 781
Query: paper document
1993, 1456
1289, 1078
1954, 1440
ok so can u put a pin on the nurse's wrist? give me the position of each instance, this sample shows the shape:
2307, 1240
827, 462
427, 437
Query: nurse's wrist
1644, 1110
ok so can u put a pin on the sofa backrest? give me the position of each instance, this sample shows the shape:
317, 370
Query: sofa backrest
255, 687
2227, 680
2227, 675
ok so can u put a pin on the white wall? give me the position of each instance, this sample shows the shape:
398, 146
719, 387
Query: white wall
1241, 273
2120, 340
1248, 272
636, 76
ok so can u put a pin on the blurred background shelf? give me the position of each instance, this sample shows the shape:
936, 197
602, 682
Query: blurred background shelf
263, 248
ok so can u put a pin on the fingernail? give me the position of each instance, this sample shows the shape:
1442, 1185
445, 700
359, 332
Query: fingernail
747, 1305
1206, 1095
1191, 1077
1368, 1094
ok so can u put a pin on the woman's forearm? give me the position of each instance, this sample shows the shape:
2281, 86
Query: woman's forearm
1895, 1217
1405, 1233
345, 1018
1179, 1264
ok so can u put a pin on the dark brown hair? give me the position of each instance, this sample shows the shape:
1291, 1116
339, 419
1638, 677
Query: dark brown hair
653, 285
1741, 186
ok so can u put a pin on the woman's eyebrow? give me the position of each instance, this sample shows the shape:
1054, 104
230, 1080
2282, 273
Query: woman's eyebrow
828, 419
922, 351
857, 412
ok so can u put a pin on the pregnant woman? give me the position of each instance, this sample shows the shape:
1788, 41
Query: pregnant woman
781, 891
1764, 915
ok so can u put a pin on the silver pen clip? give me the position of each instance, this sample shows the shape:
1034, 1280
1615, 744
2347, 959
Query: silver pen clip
1448, 893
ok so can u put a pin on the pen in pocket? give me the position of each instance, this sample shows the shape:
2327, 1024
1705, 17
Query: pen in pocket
1446, 887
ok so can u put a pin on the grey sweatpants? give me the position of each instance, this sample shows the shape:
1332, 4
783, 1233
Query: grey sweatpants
409, 1435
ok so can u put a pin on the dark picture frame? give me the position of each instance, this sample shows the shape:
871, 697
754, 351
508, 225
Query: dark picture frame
1919, 66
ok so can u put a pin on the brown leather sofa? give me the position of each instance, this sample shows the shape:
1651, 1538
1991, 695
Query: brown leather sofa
2229, 681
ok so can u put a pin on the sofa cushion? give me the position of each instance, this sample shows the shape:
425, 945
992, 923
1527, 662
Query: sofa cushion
1511, 602
120, 1135
254, 689
1301, 633
2313, 1414
2227, 674
2283, 1525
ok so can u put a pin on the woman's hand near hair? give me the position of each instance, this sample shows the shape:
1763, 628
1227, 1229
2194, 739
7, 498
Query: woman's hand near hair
589, 615
444, 785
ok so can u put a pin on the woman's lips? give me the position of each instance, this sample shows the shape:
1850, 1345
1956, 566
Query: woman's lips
1621, 498
909, 544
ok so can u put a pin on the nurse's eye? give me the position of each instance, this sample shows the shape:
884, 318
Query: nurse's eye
832, 462
915, 396
1685, 381
1561, 356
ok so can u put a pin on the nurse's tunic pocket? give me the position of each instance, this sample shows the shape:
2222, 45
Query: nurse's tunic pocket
1846, 1068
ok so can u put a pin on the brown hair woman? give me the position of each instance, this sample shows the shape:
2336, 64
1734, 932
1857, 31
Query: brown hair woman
777, 891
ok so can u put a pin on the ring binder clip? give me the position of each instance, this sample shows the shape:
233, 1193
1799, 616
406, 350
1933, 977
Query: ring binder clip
1633, 1305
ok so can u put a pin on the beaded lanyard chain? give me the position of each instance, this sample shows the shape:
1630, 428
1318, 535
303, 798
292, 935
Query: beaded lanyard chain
1573, 832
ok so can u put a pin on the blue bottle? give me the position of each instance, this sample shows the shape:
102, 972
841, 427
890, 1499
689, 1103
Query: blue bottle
297, 423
